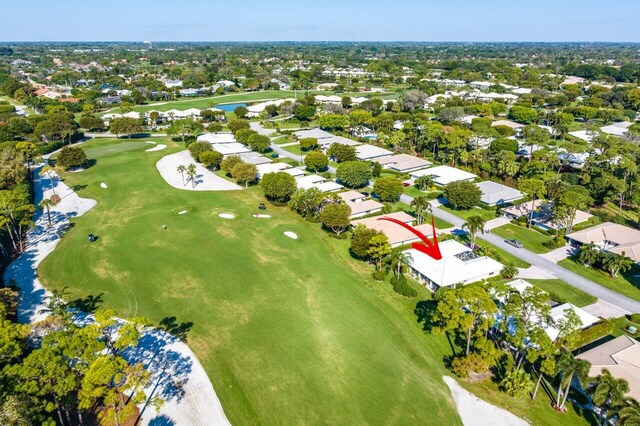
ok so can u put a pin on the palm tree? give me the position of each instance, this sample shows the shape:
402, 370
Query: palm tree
46, 171
55, 304
630, 414
608, 392
397, 259
191, 172
421, 205
474, 224
615, 263
46, 204
588, 254
534, 187
569, 367
181, 169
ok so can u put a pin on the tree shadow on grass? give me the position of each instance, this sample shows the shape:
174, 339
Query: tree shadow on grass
87, 304
179, 330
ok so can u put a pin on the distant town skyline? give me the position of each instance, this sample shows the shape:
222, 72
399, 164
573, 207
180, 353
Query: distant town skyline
330, 20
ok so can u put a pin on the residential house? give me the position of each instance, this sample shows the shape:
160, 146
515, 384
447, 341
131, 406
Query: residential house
609, 237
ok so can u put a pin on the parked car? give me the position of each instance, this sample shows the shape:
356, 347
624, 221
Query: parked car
275, 155
514, 242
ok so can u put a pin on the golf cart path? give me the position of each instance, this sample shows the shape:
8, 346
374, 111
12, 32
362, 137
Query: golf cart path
176, 373
475, 412
205, 179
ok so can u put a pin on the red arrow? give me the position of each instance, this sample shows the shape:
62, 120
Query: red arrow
429, 248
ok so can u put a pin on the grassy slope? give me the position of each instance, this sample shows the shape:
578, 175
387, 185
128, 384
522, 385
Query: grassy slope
626, 284
531, 239
289, 331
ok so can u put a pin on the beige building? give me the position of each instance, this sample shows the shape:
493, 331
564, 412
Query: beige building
621, 356
396, 234
610, 237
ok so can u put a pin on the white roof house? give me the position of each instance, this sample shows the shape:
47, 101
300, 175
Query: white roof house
495, 193
256, 109
325, 143
263, 169
254, 158
370, 152
459, 265
403, 163
216, 138
295, 172
312, 133
442, 175
315, 181
558, 313
359, 204
617, 129
508, 123
585, 135
230, 148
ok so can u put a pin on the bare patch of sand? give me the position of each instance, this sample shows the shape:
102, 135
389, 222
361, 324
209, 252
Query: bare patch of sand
291, 235
103, 185
227, 216
158, 147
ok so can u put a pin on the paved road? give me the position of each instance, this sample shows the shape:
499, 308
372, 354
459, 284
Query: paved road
557, 271
553, 269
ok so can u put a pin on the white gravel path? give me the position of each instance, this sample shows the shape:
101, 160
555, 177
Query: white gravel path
475, 412
205, 179
158, 147
177, 375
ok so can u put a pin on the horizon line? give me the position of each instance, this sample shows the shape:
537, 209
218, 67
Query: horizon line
331, 41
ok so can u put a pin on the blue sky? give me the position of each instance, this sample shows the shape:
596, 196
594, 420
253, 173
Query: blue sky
319, 20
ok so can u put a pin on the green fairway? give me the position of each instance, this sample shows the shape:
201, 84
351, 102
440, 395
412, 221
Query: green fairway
201, 103
531, 239
566, 291
289, 331
627, 283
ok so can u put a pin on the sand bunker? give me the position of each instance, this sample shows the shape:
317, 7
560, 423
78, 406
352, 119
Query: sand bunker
183, 212
151, 142
291, 235
103, 185
159, 147
227, 216
263, 216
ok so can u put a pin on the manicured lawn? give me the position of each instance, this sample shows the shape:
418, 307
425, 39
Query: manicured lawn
186, 103
476, 211
566, 291
280, 140
295, 149
289, 331
626, 284
503, 256
536, 412
531, 239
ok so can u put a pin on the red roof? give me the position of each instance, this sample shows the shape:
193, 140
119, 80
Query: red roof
41, 91
69, 100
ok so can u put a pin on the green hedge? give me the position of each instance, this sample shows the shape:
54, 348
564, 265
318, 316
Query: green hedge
593, 333
402, 287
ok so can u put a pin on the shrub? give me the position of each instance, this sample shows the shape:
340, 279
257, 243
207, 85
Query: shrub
71, 156
388, 189
278, 186
402, 287
462, 195
592, 333
197, 148
635, 318
210, 159
354, 174
517, 383
509, 272
379, 275
463, 366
